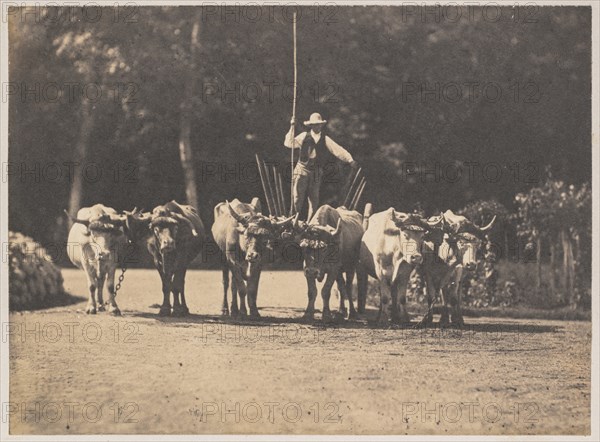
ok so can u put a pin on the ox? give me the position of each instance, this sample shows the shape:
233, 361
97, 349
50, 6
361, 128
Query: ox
451, 253
174, 235
330, 244
243, 234
177, 238
98, 233
390, 249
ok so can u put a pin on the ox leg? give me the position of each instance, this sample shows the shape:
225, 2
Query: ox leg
175, 290
445, 315
179, 307
457, 317
341, 285
242, 298
100, 288
235, 311
325, 295
384, 303
90, 273
253, 281
362, 282
427, 320
349, 281
309, 313
165, 308
240, 285
343, 288
400, 288
185, 309
113, 308
394, 309
225, 306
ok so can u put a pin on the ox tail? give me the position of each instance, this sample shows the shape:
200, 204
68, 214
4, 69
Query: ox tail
367, 214
362, 280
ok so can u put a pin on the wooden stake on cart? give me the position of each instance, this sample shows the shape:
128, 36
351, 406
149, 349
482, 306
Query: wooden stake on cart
279, 186
265, 185
358, 195
353, 188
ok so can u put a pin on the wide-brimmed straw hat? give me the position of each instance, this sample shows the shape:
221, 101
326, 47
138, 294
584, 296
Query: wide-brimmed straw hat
315, 119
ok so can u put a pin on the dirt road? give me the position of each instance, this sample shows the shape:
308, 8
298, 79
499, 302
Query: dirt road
73, 373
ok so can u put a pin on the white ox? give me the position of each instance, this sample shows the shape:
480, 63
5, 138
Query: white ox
390, 250
450, 254
97, 244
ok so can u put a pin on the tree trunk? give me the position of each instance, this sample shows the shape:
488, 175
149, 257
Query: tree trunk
553, 269
568, 269
538, 260
185, 148
81, 150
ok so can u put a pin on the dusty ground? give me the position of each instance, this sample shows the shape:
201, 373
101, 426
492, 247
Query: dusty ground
72, 373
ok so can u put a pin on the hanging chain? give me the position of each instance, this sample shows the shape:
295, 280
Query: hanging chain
121, 278
123, 270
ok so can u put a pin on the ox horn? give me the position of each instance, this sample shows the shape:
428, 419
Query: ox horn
399, 218
285, 221
337, 230
295, 223
236, 216
145, 216
85, 222
117, 219
135, 211
435, 221
488, 227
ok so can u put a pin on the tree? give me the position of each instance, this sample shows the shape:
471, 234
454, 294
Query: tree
96, 63
557, 216
185, 149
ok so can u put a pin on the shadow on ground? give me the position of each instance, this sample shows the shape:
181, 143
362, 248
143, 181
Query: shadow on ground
365, 321
59, 301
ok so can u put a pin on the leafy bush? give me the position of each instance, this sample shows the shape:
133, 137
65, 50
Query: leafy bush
34, 281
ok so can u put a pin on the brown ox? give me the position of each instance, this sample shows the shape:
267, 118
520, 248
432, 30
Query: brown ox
174, 235
330, 243
452, 251
243, 234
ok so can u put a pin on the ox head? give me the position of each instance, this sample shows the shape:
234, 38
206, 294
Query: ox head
136, 224
464, 238
321, 248
412, 230
103, 231
292, 229
166, 225
259, 231
295, 230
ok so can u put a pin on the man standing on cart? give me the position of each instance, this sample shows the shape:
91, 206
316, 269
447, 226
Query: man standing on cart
316, 150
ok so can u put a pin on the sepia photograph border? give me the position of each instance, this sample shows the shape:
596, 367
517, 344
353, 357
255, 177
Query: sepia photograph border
4, 193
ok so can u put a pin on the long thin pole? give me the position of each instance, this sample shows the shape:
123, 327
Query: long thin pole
280, 193
352, 189
358, 195
292, 208
264, 184
280, 210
